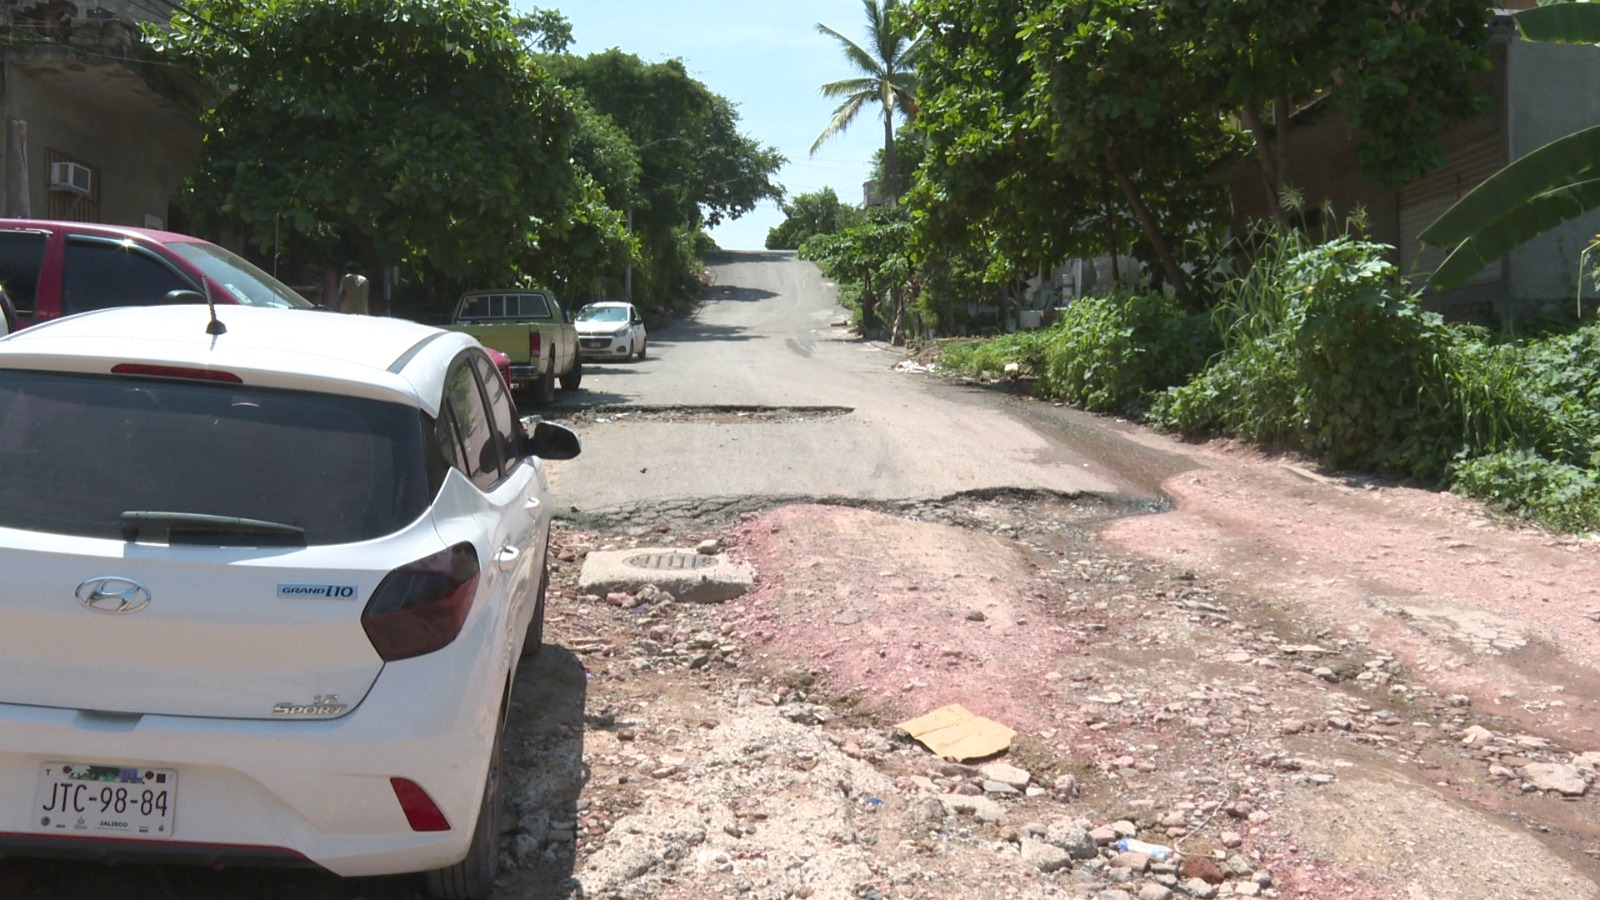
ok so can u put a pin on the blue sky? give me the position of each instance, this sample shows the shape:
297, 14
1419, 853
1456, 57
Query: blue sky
767, 57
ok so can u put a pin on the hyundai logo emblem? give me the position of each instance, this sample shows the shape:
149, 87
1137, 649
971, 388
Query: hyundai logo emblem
114, 596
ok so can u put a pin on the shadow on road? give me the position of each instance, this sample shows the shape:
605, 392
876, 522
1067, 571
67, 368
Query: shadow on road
734, 293
569, 402
543, 748
690, 331
544, 745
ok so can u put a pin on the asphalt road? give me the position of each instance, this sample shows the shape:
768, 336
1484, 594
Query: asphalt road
771, 335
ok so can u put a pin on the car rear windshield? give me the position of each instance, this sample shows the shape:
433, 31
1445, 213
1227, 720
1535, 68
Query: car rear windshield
504, 306
78, 453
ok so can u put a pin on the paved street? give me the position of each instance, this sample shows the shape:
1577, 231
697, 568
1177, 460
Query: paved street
771, 336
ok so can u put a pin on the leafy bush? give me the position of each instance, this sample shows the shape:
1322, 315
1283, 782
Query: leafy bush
1543, 460
1328, 353
1557, 495
1025, 348
1106, 354
1324, 350
1504, 397
1110, 354
1564, 373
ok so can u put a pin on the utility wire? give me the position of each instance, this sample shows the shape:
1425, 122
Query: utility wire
173, 6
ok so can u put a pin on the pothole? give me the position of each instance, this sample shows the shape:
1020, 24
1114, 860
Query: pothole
715, 415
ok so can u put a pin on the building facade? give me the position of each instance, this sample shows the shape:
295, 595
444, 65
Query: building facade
95, 129
1538, 92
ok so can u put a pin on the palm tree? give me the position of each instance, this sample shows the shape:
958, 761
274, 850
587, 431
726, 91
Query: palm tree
888, 77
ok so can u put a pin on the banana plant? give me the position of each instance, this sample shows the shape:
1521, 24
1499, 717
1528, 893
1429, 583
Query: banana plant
1554, 184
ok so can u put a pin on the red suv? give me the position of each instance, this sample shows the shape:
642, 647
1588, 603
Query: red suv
51, 269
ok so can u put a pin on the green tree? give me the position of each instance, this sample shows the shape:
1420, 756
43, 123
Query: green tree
888, 78
1396, 73
1079, 100
694, 167
818, 212
397, 132
544, 30
871, 260
1122, 101
1552, 185
999, 189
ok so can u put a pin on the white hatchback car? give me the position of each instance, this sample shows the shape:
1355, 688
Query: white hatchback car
610, 329
265, 590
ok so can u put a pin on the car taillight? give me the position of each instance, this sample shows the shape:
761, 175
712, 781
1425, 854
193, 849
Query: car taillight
185, 373
421, 606
421, 812
533, 344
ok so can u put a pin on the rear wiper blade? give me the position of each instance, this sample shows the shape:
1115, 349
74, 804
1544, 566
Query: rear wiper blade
153, 526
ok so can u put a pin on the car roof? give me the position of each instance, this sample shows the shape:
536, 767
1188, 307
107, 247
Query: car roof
377, 357
98, 228
601, 304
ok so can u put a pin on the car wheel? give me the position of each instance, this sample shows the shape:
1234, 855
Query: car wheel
642, 345
544, 389
574, 376
473, 877
534, 641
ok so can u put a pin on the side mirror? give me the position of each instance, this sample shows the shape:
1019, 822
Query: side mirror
183, 296
550, 441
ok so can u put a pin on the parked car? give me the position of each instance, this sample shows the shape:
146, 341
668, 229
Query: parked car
531, 327
610, 329
51, 269
266, 589
502, 363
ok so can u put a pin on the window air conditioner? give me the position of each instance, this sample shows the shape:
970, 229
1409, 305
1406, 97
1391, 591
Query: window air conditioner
71, 177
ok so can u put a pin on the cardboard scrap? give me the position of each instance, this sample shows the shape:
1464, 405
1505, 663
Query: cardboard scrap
956, 734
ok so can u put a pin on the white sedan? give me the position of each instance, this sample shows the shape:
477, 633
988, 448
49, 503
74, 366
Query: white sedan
610, 329
268, 578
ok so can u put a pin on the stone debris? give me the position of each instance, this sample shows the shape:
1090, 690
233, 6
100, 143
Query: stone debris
1566, 780
775, 791
1044, 857
1006, 774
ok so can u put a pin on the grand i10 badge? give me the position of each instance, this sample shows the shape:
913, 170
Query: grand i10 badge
321, 707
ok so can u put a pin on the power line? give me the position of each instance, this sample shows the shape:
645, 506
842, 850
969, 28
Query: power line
96, 54
173, 6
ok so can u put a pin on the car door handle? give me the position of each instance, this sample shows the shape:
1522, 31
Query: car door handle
507, 557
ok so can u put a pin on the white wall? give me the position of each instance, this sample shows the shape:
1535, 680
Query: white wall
1550, 94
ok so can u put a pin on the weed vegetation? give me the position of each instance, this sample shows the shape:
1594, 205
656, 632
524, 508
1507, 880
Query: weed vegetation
1320, 347
1105, 354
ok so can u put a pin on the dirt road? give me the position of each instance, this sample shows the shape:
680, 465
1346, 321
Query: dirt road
1306, 686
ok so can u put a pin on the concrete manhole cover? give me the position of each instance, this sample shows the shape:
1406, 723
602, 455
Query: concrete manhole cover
672, 562
689, 576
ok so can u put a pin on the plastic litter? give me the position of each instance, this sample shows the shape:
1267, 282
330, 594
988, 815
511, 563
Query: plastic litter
1157, 852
